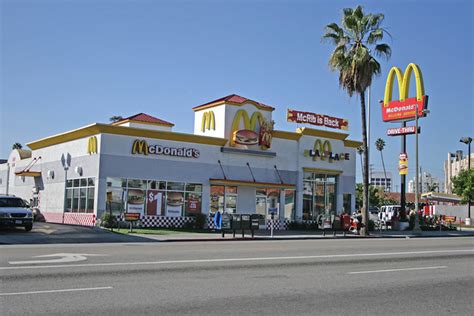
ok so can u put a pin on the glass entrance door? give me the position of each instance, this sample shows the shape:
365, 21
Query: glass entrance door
319, 196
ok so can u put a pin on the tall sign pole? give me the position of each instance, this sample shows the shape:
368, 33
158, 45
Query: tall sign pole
402, 110
403, 177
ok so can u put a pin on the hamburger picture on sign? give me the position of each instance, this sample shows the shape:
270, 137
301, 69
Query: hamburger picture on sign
136, 201
174, 204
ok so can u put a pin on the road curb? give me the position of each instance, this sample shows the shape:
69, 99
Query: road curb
307, 238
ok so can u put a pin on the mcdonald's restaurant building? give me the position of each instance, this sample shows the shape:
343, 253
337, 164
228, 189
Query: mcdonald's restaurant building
234, 162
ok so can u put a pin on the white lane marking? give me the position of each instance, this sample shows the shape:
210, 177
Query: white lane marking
63, 258
108, 264
397, 270
59, 291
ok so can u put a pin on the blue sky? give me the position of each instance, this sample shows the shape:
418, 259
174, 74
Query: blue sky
65, 64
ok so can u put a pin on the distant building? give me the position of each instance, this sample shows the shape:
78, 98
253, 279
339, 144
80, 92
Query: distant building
428, 183
452, 166
377, 178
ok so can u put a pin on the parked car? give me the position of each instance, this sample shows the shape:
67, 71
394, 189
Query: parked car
374, 214
15, 212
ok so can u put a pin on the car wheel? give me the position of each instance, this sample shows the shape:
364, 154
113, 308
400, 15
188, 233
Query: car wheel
29, 227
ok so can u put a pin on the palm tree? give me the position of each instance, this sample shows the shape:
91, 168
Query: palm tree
380, 145
115, 118
356, 40
17, 146
360, 151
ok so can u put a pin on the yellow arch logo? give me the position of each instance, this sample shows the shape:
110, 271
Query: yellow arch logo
404, 83
404, 108
324, 148
92, 145
208, 121
249, 123
140, 147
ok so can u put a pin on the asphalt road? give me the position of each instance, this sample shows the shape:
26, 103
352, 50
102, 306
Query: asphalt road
309, 277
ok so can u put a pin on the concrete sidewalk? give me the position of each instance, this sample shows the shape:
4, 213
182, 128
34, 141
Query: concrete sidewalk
48, 233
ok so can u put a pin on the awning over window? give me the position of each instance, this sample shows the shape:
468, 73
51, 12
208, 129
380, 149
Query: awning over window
28, 173
252, 183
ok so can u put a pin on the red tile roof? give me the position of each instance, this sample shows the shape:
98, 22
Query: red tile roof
234, 99
144, 118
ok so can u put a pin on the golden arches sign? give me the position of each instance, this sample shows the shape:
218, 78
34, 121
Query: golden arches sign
140, 147
92, 145
249, 123
404, 83
324, 149
208, 121
404, 108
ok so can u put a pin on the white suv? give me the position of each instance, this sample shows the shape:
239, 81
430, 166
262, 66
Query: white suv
14, 212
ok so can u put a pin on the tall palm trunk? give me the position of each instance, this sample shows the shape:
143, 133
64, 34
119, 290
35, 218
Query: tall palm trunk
384, 171
365, 170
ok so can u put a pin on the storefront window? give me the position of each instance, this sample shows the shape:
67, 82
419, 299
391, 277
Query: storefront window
193, 203
217, 199
154, 197
80, 195
319, 195
135, 201
69, 200
223, 199
175, 186
261, 202
139, 184
82, 198
174, 203
75, 200
290, 204
193, 187
155, 200
273, 202
268, 202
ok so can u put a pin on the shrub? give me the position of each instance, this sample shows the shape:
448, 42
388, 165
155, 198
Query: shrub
200, 221
107, 220
371, 225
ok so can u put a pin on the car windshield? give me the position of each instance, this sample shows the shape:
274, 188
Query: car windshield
11, 202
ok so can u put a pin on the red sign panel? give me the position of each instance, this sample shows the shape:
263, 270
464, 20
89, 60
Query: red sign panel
404, 110
131, 217
402, 131
317, 119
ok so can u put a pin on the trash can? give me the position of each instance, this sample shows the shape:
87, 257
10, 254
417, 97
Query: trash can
254, 221
226, 222
245, 221
236, 221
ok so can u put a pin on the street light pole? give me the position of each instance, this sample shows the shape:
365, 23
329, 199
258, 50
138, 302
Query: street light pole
417, 223
468, 140
417, 189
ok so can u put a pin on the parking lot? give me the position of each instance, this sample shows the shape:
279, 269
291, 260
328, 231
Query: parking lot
49, 233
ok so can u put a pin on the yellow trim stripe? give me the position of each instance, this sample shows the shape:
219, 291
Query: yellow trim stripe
97, 128
321, 133
251, 184
28, 174
319, 170
286, 135
352, 143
